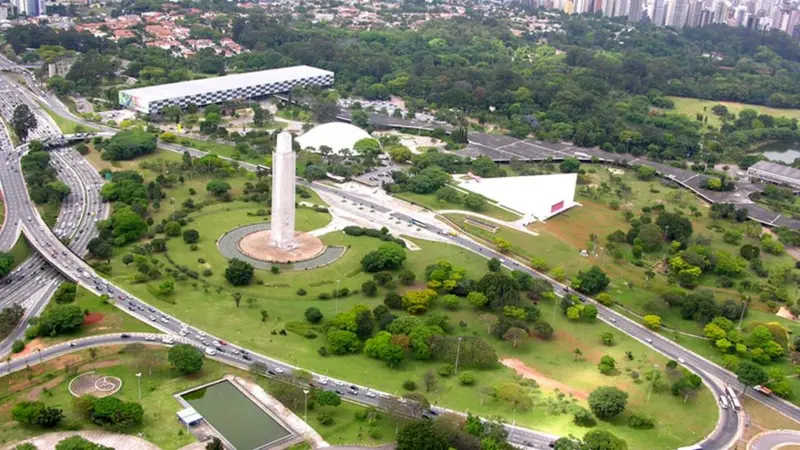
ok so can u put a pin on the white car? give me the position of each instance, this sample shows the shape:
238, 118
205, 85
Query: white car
201, 333
152, 318
370, 394
338, 383
184, 332
210, 351
648, 340
681, 360
149, 337
279, 370
165, 320
322, 380
168, 340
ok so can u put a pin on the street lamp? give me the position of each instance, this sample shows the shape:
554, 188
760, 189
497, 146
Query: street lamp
652, 380
139, 380
305, 413
744, 307
337, 296
458, 351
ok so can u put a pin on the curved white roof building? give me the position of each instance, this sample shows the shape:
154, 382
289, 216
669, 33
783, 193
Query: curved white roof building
336, 135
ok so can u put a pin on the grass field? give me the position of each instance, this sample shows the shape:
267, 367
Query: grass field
95, 158
21, 250
65, 125
429, 201
690, 107
216, 148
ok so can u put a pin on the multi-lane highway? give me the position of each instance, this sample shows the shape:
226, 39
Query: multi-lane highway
73, 267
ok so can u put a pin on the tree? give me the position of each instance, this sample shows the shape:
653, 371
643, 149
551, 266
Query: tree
543, 329
65, 293
607, 402
607, 338
569, 165
420, 435
369, 288
406, 277
6, 263
79, 443
515, 336
191, 236
23, 121
239, 273
578, 353
500, 289
652, 321
129, 144
218, 187
215, 444
477, 299
327, 398
185, 358
650, 237
172, 229
592, 281
313, 314
606, 365
603, 440
60, 319
382, 347
687, 385
474, 201
342, 341
676, 227
417, 302
386, 257
750, 374
493, 265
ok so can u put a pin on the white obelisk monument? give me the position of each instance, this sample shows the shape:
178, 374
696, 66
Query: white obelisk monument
283, 190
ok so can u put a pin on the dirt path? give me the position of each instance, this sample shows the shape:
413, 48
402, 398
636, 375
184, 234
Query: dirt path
542, 380
34, 393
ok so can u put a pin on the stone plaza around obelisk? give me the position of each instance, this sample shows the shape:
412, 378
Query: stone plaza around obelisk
283, 191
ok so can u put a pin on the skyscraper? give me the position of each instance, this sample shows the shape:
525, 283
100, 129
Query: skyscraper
676, 14
31, 8
635, 12
658, 12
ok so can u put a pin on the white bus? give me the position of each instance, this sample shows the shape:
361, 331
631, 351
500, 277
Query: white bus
733, 398
723, 401
692, 447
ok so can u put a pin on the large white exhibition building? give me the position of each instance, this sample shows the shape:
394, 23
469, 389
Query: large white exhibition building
337, 136
536, 197
241, 86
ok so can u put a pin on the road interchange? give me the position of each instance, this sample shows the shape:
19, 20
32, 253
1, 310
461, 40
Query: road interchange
728, 428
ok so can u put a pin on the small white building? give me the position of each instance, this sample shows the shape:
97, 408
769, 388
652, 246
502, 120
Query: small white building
538, 196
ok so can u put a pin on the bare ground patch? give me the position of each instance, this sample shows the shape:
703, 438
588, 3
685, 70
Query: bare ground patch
545, 382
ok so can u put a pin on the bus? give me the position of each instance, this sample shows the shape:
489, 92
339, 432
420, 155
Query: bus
418, 223
723, 401
692, 447
733, 398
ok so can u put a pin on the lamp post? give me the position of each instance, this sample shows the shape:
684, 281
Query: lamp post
741, 316
139, 381
458, 351
305, 412
337, 296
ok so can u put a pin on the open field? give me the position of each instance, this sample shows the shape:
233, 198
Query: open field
21, 250
690, 107
95, 158
429, 201
216, 148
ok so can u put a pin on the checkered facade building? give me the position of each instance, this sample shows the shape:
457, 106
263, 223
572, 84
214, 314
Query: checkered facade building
217, 96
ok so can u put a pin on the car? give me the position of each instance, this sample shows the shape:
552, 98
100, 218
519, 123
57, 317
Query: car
151, 309
168, 340
279, 370
235, 351
353, 387
216, 344
322, 380
125, 336
613, 320
339, 391
201, 333
150, 337
223, 342
140, 307
132, 308
165, 319
649, 340
271, 372
370, 394
72, 344
338, 383
183, 332
246, 357
433, 412
681, 360
152, 318
426, 417
210, 351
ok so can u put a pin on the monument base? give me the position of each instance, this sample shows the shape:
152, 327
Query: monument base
258, 245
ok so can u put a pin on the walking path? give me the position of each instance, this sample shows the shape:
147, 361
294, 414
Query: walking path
48, 441
518, 224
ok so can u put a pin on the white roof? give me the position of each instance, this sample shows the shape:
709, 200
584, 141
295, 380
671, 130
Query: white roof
239, 80
336, 135
189, 415
539, 196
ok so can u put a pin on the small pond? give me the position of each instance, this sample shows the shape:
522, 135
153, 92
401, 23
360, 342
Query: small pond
781, 151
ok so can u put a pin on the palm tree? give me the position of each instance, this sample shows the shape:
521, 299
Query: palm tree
577, 352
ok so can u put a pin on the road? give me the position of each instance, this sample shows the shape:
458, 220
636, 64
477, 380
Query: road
774, 439
74, 268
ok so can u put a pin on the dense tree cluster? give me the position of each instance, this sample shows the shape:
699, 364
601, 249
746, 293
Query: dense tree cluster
110, 412
129, 144
43, 186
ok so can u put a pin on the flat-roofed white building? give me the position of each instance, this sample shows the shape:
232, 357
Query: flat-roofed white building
152, 99
536, 197
774, 173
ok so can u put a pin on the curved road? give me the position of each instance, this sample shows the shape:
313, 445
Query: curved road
713, 375
770, 440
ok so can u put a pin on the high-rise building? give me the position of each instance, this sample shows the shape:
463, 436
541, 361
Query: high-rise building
658, 12
635, 11
676, 14
31, 8
693, 15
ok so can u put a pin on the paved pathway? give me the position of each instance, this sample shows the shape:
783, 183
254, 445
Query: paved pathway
518, 224
774, 439
117, 441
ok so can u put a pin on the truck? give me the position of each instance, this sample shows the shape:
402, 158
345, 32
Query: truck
762, 389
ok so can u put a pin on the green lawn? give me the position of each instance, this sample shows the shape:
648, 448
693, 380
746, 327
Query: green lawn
21, 250
65, 125
429, 201
49, 383
690, 107
216, 148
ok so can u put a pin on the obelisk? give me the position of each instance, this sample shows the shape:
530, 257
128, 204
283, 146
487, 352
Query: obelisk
283, 182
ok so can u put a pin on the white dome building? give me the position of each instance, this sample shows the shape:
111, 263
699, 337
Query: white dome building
336, 135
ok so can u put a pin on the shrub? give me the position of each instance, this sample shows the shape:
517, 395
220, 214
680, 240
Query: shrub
313, 314
641, 422
393, 300
18, 346
410, 385
275, 269
583, 417
301, 292
324, 296
445, 370
466, 378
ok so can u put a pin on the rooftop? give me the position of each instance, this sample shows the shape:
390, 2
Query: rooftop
777, 169
239, 80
